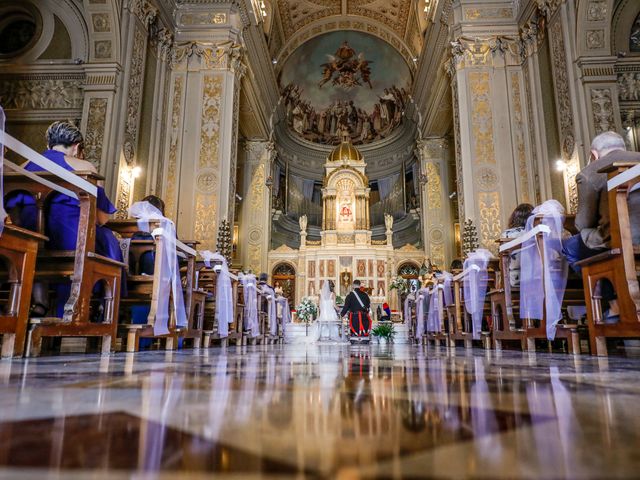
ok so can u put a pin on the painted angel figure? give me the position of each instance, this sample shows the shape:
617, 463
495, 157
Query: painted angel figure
328, 70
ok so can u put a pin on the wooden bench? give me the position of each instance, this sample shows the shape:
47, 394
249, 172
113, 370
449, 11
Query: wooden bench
620, 265
84, 268
145, 289
505, 301
460, 324
207, 281
18, 251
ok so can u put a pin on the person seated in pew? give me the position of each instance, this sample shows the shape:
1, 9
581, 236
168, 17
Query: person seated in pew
65, 148
146, 262
592, 218
517, 224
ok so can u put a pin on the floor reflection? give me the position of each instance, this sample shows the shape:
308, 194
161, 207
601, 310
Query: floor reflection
324, 411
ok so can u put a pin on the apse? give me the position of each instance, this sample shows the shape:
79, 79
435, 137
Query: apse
345, 83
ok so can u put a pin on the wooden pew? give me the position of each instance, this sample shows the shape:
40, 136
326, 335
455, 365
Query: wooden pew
83, 267
145, 289
620, 265
505, 302
460, 325
207, 280
18, 251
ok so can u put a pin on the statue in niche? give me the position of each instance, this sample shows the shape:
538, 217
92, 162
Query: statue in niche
388, 222
302, 221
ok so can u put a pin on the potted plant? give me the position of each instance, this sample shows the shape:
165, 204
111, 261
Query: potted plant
307, 311
384, 332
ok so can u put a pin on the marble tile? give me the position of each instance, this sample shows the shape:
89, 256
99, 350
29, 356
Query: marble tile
308, 411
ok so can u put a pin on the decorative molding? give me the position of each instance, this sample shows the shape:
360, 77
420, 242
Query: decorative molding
519, 140
226, 55
144, 10
175, 135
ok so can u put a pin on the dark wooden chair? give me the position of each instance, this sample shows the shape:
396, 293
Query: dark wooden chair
18, 251
619, 265
84, 268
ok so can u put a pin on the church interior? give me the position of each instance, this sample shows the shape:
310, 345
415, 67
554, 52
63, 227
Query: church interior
319, 238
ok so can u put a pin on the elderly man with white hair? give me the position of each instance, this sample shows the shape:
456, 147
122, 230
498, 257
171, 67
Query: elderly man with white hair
592, 218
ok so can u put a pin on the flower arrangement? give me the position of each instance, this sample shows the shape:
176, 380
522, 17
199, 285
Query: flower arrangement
339, 300
384, 330
307, 310
400, 284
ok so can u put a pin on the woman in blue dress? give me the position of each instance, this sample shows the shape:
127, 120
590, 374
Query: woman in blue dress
63, 214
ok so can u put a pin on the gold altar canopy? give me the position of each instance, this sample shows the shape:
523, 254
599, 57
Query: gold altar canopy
345, 198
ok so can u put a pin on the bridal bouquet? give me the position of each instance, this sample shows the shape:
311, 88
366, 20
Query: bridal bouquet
401, 284
307, 310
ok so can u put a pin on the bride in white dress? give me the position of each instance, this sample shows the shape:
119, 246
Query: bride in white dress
329, 324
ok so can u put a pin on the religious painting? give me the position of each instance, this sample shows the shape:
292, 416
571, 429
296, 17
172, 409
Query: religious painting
322, 268
312, 269
346, 200
362, 268
331, 268
381, 268
312, 288
381, 290
345, 84
345, 283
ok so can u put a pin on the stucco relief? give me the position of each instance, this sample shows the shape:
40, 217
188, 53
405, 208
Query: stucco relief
174, 140
42, 94
561, 83
481, 117
602, 107
519, 131
490, 223
135, 95
434, 187
94, 135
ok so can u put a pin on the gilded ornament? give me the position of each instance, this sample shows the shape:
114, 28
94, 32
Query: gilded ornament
94, 135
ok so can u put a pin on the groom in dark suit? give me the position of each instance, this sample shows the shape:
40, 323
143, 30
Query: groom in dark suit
357, 306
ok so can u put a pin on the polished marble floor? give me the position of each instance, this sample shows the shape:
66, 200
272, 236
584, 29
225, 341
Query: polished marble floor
310, 411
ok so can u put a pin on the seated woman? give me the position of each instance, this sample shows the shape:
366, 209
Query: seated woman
517, 224
63, 214
146, 262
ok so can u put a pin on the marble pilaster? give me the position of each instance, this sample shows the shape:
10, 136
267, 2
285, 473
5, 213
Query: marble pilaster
255, 214
494, 165
435, 206
200, 168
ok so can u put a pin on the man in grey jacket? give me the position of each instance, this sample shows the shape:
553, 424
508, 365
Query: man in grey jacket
592, 218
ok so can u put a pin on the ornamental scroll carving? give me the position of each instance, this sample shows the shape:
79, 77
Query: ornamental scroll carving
561, 82
143, 9
227, 55
135, 96
602, 106
94, 135
174, 141
519, 131
629, 86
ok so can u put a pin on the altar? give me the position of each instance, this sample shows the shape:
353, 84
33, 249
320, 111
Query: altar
345, 250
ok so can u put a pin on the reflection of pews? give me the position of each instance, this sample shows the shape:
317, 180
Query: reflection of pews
84, 268
18, 250
619, 265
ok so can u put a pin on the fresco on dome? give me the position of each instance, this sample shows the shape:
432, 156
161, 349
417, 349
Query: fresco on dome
345, 83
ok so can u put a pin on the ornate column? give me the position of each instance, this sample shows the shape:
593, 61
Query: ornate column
435, 207
493, 150
200, 169
255, 214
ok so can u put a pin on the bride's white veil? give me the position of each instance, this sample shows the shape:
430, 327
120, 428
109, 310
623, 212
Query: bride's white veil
325, 294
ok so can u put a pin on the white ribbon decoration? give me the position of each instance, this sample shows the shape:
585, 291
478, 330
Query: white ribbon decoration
542, 284
422, 297
224, 291
250, 293
273, 317
169, 274
286, 311
475, 287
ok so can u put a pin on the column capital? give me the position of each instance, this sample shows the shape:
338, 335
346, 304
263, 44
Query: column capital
144, 10
431, 148
226, 55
